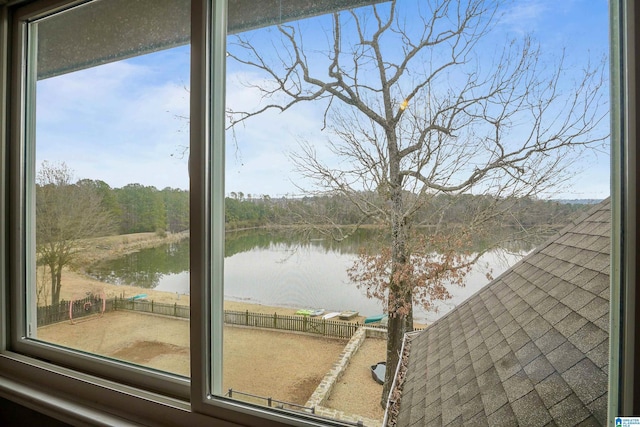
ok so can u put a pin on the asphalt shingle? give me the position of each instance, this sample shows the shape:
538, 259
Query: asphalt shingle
529, 349
569, 412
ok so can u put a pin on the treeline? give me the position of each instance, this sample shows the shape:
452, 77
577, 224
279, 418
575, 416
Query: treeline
525, 212
137, 208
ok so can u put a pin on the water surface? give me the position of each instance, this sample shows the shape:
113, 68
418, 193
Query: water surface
269, 269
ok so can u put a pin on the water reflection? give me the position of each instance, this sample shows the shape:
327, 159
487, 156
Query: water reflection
247, 240
148, 268
283, 268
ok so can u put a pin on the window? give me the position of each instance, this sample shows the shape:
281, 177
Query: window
106, 107
172, 75
73, 81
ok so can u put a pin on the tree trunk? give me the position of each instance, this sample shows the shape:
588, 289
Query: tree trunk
56, 279
400, 302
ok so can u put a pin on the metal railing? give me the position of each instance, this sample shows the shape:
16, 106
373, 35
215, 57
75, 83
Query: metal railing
304, 324
270, 402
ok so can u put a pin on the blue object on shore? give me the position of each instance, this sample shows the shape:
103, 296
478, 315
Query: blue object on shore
139, 296
373, 319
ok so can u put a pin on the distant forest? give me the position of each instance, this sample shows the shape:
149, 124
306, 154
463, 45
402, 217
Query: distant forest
247, 212
137, 208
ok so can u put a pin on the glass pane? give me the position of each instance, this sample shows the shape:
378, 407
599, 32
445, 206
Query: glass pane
386, 163
108, 150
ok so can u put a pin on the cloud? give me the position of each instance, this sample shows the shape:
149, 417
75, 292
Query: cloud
534, 16
528, 11
257, 153
121, 122
124, 122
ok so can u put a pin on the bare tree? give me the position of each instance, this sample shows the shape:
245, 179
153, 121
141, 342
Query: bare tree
43, 286
65, 213
414, 111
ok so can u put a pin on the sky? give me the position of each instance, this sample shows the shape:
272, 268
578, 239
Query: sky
127, 122
123, 122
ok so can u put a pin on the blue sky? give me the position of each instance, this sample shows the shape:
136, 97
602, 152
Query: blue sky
127, 122
123, 122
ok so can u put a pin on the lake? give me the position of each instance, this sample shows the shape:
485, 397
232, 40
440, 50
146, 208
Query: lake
284, 270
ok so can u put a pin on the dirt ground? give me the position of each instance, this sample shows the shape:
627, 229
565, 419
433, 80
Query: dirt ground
284, 366
281, 365
357, 382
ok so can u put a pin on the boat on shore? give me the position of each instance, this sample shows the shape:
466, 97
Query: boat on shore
310, 312
374, 319
348, 314
331, 315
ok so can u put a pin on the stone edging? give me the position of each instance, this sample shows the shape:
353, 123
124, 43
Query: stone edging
323, 391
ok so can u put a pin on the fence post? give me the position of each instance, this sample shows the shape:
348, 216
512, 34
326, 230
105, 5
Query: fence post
175, 309
304, 323
246, 318
275, 323
269, 401
230, 393
152, 306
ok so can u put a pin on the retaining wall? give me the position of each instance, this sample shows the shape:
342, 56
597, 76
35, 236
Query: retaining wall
323, 391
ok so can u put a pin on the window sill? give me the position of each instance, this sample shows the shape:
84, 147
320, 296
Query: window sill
80, 399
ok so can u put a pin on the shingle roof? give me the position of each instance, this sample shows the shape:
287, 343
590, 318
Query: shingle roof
529, 349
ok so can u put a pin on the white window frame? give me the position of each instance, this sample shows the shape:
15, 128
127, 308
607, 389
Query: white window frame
624, 343
22, 206
83, 389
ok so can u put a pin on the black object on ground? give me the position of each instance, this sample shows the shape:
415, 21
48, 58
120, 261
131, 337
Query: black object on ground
378, 371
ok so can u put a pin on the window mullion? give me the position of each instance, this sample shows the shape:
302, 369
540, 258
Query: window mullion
199, 177
218, 79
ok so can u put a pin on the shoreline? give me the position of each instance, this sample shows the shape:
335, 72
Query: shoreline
109, 247
77, 285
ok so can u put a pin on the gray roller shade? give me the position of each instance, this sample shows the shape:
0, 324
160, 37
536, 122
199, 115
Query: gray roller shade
111, 30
